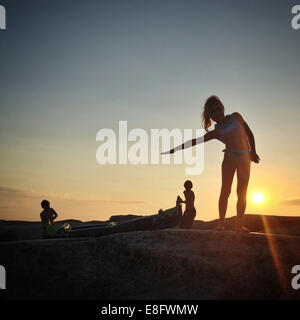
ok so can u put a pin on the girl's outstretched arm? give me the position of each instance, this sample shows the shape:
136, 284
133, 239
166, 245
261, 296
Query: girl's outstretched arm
190, 143
254, 155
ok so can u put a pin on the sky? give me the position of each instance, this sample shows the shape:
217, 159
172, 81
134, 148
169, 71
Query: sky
71, 68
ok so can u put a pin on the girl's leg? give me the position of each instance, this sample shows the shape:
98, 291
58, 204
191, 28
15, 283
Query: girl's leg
228, 169
243, 174
191, 216
182, 222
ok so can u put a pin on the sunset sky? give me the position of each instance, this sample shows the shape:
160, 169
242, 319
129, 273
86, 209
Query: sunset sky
69, 68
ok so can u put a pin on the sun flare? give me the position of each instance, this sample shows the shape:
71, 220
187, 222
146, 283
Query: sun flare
258, 197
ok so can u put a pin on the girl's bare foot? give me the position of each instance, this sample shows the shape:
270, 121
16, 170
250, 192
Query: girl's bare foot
242, 229
220, 228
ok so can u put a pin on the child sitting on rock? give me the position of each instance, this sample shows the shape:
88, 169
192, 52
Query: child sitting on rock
190, 211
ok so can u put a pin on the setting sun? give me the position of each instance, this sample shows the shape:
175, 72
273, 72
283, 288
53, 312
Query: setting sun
258, 197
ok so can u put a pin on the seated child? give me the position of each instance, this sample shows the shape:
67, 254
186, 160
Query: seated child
190, 211
48, 215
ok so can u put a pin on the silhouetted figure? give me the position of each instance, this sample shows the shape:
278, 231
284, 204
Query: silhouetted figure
190, 211
48, 215
239, 151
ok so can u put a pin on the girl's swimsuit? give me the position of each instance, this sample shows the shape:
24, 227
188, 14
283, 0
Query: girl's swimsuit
238, 158
230, 125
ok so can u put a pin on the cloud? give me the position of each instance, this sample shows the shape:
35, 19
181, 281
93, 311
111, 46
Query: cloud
290, 202
21, 204
7, 193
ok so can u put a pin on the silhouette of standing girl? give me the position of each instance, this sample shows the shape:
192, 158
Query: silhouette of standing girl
239, 151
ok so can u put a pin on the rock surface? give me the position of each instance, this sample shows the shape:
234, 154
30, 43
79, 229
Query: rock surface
165, 264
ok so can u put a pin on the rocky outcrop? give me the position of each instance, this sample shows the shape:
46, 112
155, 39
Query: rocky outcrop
165, 264
22, 230
258, 223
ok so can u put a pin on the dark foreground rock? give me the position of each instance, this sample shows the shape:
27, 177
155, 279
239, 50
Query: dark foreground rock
166, 264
